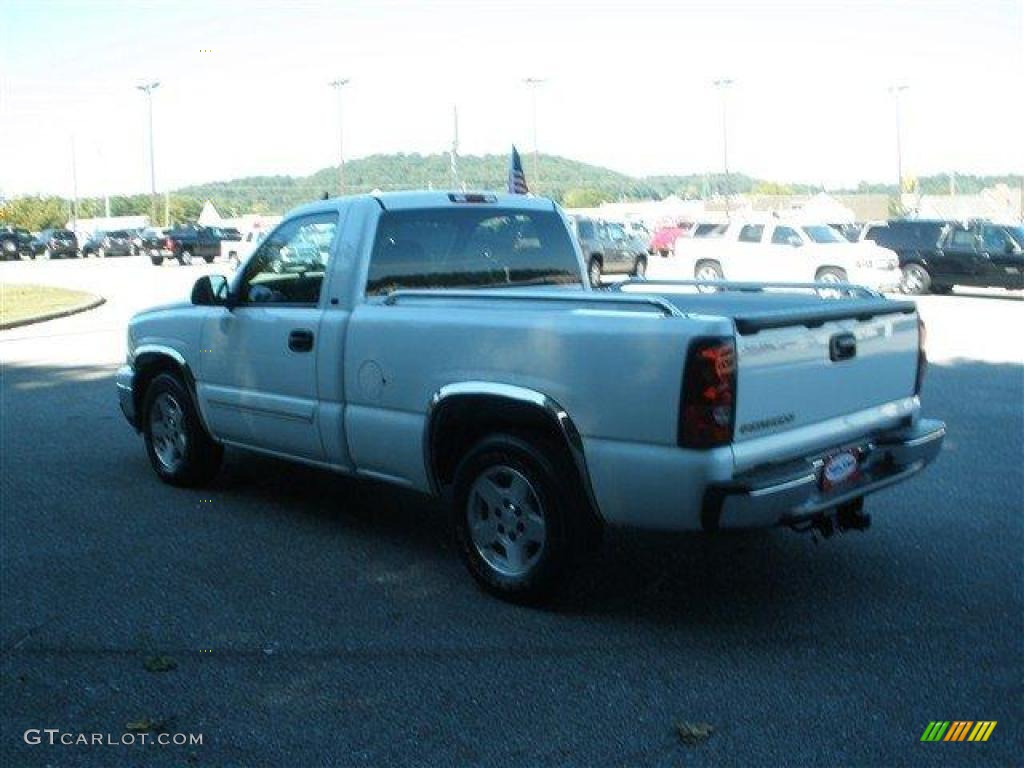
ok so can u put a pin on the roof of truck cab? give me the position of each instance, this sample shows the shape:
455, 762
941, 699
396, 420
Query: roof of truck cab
396, 201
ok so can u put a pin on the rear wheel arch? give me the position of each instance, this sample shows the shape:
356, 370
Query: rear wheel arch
461, 416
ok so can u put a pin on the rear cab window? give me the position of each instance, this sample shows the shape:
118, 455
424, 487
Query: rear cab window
471, 248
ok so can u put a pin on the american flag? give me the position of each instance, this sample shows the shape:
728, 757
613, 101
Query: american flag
516, 177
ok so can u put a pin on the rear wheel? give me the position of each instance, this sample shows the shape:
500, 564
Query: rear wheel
101, 253
185, 258
156, 260
594, 272
916, 280
208, 259
179, 448
517, 514
640, 267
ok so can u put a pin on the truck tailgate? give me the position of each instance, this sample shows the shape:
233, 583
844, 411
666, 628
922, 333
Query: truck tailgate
807, 368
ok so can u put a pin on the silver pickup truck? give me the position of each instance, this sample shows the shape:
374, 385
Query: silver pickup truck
452, 344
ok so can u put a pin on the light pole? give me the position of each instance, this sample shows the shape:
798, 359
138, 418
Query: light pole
896, 90
533, 83
723, 86
338, 85
148, 88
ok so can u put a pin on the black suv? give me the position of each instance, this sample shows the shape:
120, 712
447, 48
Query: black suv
15, 243
935, 255
55, 244
117, 242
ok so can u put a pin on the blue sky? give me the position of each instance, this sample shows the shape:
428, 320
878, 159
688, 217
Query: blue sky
628, 86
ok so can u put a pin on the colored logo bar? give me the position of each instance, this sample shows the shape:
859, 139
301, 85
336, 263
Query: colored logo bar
958, 730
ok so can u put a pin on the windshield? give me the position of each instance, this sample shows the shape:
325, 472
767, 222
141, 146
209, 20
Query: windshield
823, 234
471, 248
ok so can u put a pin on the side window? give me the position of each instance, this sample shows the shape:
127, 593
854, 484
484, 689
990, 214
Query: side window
785, 236
751, 233
616, 232
586, 229
993, 239
963, 239
288, 267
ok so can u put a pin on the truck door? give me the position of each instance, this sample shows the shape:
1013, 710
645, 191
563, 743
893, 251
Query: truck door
258, 366
788, 261
747, 259
956, 260
1000, 261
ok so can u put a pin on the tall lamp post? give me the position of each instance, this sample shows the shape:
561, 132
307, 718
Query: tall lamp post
337, 85
895, 91
148, 89
533, 83
723, 86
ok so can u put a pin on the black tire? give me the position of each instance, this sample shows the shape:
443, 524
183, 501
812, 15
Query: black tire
640, 267
101, 253
200, 456
831, 275
156, 261
594, 272
707, 270
569, 527
208, 259
916, 280
185, 258
664, 253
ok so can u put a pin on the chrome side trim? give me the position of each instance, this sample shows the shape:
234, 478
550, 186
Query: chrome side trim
599, 298
517, 394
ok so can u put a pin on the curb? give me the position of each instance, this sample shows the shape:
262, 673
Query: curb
85, 306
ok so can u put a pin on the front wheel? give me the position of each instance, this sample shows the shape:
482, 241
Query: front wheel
101, 253
516, 515
156, 261
208, 259
185, 259
179, 448
594, 273
916, 280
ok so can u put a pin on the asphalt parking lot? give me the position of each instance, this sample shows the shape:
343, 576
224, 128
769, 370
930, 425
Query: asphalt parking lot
311, 619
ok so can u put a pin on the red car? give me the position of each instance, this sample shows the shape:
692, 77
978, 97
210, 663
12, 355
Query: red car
664, 239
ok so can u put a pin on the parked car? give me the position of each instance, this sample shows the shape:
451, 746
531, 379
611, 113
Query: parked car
55, 243
150, 241
607, 249
936, 255
15, 243
663, 242
452, 344
186, 243
117, 242
790, 251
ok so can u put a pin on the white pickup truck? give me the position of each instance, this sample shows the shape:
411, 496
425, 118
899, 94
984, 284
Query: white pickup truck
783, 250
451, 343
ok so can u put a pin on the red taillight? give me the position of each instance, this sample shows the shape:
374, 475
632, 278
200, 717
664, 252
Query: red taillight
169, 244
708, 407
922, 356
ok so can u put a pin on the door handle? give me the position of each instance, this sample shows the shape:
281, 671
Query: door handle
300, 340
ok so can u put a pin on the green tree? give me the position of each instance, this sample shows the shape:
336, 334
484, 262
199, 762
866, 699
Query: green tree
582, 197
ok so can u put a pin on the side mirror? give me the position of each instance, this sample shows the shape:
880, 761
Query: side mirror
210, 291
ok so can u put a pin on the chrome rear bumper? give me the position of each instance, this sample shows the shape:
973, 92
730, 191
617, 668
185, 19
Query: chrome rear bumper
792, 492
